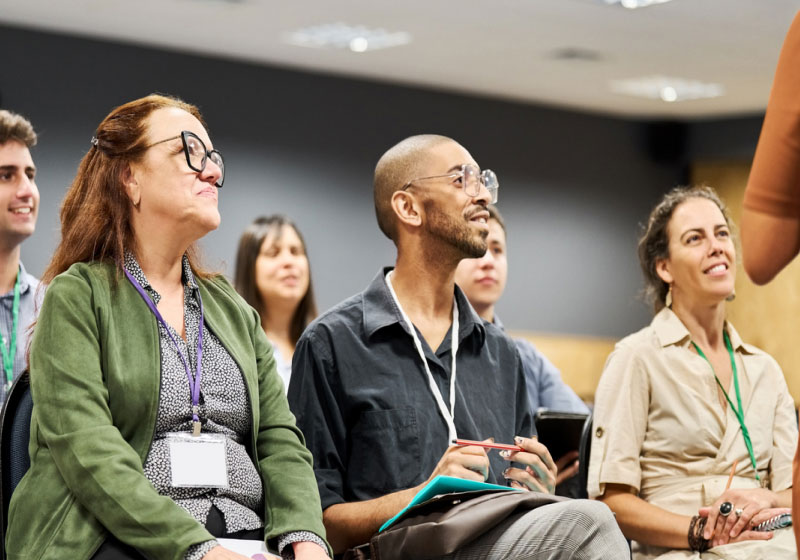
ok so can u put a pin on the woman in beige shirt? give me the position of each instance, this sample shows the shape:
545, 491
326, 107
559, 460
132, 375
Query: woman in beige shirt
666, 434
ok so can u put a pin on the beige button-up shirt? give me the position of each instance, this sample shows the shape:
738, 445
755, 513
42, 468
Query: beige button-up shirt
660, 429
658, 421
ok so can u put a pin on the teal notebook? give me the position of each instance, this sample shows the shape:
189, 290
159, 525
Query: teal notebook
444, 485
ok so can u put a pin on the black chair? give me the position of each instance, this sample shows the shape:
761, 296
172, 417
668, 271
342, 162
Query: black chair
15, 429
584, 454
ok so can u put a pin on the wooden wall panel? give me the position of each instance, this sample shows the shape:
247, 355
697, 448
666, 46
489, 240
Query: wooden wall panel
766, 316
580, 358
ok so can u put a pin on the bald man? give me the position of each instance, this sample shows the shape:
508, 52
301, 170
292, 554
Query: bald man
383, 382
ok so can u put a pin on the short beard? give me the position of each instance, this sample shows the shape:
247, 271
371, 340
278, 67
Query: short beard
455, 232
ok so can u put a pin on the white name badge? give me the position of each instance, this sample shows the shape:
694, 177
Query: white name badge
256, 550
198, 461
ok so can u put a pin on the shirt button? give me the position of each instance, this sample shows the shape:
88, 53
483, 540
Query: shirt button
599, 432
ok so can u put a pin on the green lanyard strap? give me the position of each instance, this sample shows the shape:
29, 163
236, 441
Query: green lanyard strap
738, 412
11, 351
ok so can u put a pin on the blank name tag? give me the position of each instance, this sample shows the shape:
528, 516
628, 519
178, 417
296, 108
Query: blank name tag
198, 461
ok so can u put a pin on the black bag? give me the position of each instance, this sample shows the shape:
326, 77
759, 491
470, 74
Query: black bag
446, 523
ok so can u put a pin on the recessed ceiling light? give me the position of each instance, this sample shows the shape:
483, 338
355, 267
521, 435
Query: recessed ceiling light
633, 4
668, 94
356, 38
667, 89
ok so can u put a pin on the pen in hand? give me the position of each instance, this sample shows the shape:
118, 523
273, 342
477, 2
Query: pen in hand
486, 444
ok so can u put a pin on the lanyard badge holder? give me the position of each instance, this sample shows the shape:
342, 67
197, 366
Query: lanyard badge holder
447, 414
10, 352
738, 412
197, 460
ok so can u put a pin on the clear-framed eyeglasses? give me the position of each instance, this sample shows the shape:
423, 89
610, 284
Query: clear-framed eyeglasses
197, 154
470, 179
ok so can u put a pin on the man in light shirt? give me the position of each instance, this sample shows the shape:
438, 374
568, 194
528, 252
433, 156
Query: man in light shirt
19, 202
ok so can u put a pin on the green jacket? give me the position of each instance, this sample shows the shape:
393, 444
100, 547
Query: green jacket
95, 366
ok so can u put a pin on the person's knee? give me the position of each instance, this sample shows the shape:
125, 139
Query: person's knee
591, 514
601, 513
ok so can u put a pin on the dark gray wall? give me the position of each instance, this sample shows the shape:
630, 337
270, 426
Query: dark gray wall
724, 139
574, 187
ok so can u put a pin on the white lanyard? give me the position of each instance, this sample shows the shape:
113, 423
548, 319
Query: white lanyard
448, 415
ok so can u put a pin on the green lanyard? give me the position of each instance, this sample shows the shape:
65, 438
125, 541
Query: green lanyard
11, 351
738, 412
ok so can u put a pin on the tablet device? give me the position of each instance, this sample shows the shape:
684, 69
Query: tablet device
560, 432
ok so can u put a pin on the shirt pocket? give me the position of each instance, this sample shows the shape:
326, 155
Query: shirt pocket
385, 452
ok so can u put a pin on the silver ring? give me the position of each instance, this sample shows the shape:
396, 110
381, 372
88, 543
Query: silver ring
725, 509
738, 512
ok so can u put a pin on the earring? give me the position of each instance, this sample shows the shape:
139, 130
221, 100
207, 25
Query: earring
668, 299
731, 297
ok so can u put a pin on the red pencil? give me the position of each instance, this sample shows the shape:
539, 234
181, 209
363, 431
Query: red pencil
487, 444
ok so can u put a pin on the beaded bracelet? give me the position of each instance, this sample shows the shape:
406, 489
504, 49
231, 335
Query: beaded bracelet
695, 537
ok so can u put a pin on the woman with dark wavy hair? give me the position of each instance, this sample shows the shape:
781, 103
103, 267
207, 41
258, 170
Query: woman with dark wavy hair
159, 421
274, 276
684, 406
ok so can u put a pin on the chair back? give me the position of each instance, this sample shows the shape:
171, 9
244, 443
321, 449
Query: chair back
15, 429
584, 454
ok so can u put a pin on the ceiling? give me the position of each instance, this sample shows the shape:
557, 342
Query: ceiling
498, 48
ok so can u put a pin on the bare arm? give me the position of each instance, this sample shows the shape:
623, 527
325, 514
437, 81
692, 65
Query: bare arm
645, 522
653, 525
769, 243
351, 524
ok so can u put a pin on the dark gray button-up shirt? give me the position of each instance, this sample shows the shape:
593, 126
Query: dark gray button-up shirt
361, 395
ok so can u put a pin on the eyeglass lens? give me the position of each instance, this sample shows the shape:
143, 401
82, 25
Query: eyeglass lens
197, 154
473, 180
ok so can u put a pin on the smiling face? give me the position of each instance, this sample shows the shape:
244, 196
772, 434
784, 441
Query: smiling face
281, 269
162, 185
19, 197
450, 215
701, 266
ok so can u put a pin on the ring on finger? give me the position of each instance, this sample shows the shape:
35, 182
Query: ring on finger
725, 509
738, 512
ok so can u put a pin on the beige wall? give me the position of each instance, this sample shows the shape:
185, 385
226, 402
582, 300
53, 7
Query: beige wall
579, 358
766, 316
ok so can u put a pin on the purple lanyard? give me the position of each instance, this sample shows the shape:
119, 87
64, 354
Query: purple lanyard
194, 383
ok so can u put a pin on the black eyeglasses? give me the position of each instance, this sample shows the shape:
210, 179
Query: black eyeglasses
471, 179
197, 155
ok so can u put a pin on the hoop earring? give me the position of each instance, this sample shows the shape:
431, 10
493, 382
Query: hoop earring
731, 297
668, 298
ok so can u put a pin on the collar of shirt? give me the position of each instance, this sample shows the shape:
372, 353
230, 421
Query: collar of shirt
26, 282
380, 311
671, 330
132, 266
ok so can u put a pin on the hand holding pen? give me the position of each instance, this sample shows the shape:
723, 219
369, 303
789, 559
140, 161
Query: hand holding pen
468, 461
540, 471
